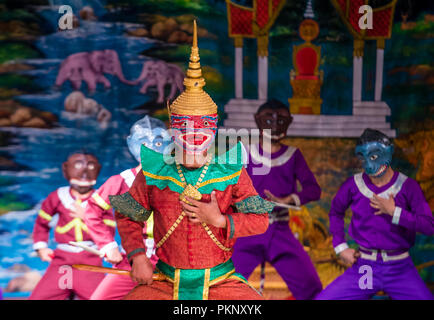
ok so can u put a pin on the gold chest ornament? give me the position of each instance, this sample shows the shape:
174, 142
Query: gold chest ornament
191, 192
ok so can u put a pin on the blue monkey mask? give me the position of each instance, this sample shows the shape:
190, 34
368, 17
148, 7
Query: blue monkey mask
150, 132
376, 157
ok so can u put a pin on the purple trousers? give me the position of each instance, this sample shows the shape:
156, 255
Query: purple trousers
279, 247
398, 279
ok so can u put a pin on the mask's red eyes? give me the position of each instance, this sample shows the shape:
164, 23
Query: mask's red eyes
206, 123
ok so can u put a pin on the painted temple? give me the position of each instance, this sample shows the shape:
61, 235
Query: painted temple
306, 76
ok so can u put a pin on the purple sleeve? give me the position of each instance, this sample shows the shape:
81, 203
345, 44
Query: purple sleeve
311, 190
340, 204
419, 218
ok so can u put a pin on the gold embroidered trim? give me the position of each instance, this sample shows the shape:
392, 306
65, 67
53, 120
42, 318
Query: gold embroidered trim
154, 176
176, 284
213, 237
206, 284
220, 179
172, 228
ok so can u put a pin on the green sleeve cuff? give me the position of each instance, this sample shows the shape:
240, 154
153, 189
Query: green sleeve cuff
231, 226
254, 204
135, 252
128, 206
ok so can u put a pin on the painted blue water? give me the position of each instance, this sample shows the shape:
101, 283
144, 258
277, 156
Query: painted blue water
43, 151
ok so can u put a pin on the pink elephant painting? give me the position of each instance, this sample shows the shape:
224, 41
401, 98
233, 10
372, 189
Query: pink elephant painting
90, 67
157, 73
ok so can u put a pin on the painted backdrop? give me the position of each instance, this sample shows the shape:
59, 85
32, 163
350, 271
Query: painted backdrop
83, 88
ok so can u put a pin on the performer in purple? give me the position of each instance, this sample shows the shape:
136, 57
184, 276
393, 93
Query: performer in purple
388, 209
274, 175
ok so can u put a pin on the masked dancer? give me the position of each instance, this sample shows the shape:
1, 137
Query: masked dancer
275, 169
189, 195
60, 280
388, 209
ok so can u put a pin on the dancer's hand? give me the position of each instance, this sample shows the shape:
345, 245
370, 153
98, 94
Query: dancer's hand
349, 256
386, 206
208, 212
142, 270
285, 200
114, 256
46, 254
78, 211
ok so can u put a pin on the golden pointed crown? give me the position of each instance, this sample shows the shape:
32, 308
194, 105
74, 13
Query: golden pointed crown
194, 100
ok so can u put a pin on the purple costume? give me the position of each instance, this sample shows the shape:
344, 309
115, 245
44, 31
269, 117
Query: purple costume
278, 245
384, 240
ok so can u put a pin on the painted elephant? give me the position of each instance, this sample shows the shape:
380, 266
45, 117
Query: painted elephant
159, 73
90, 67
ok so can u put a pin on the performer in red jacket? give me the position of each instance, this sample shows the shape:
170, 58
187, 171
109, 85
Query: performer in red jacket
191, 197
60, 281
152, 133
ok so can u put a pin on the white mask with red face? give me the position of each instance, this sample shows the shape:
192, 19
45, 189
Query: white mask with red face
194, 134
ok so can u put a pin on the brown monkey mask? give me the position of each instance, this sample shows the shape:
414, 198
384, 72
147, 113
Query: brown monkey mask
81, 170
277, 120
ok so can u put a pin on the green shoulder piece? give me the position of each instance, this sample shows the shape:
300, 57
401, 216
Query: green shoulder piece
254, 204
129, 207
160, 170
